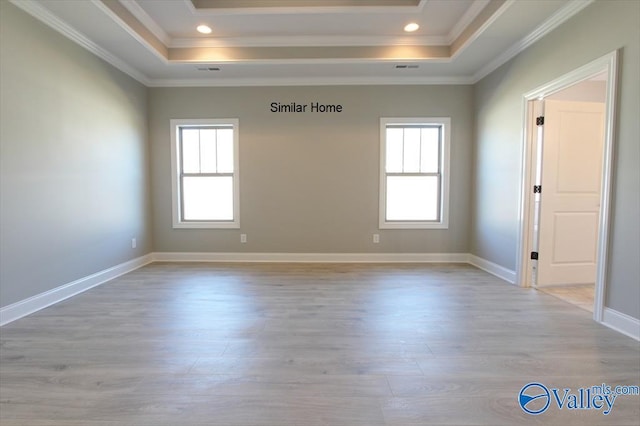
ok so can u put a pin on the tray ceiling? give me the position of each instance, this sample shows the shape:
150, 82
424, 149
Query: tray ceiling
301, 42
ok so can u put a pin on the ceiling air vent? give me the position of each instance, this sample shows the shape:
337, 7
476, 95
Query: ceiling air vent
407, 67
208, 68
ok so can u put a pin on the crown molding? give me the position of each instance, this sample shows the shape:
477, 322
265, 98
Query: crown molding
287, 10
302, 81
140, 38
468, 17
141, 15
309, 41
486, 24
549, 25
45, 16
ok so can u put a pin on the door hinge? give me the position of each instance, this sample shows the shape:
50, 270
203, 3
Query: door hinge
540, 121
537, 189
534, 255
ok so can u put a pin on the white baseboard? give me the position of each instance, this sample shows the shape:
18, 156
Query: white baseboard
493, 268
40, 301
615, 320
312, 257
622, 323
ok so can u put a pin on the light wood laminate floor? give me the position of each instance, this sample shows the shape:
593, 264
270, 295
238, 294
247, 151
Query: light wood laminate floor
307, 344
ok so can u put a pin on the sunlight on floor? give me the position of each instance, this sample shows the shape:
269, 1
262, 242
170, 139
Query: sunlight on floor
580, 295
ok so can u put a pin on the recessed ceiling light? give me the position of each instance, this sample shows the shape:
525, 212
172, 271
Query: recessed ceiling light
204, 29
411, 27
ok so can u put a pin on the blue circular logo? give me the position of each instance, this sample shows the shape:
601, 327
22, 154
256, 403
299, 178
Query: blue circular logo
534, 398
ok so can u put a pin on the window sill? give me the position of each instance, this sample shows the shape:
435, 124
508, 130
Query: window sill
413, 225
206, 225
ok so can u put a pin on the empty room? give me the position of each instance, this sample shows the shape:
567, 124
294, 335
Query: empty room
319, 212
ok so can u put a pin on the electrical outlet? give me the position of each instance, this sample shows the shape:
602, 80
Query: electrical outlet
243, 238
134, 243
376, 238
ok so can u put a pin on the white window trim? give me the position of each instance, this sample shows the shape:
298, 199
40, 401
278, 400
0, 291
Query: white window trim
443, 223
175, 181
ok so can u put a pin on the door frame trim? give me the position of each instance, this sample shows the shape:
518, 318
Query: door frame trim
608, 64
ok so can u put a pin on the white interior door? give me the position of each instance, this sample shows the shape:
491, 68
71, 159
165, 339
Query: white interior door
569, 207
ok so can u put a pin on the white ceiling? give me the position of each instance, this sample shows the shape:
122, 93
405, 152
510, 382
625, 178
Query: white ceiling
304, 42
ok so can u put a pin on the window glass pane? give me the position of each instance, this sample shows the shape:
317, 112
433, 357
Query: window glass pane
208, 198
208, 150
394, 150
412, 198
430, 160
190, 150
225, 150
411, 150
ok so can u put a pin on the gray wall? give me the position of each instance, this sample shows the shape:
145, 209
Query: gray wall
309, 181
74, 173
599, 29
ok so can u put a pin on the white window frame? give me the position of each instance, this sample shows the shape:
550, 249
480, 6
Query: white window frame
443, 222
176, 196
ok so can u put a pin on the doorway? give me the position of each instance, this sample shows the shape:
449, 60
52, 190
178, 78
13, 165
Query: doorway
578, 235
570, 162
